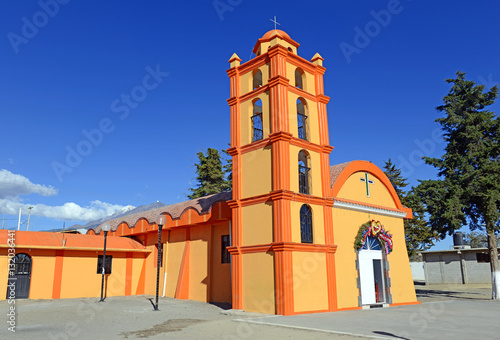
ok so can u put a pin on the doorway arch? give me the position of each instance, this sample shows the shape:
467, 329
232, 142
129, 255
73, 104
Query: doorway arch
372, 274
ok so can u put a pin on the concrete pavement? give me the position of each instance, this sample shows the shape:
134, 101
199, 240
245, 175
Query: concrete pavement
447, 312
452, 319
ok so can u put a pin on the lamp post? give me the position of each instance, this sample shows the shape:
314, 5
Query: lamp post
105, 227
160, 221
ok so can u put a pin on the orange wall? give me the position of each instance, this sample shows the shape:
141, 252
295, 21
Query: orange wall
346, 226
207, 278
258, 283
78, 275
220, 272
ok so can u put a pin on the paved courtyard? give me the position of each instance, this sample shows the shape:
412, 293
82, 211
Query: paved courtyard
446, 312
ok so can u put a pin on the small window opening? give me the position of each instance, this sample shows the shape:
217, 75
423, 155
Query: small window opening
257, 79
225, 242
301, 119
257, 128
304, 170
109, 261
299, 78
306, 235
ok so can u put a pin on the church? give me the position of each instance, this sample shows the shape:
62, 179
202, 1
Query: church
295, 235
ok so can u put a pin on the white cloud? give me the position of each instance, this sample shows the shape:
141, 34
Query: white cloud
72, 211
68, 211
14, 185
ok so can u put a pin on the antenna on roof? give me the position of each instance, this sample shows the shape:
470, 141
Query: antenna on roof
64, 232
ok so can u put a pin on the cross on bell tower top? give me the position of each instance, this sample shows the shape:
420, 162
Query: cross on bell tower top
275, 22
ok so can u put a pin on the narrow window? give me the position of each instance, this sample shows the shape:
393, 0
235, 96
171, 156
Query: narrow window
257, 79
299, 78
304, 172
257, 130
306, 235
225, 242
109, 260
301, 119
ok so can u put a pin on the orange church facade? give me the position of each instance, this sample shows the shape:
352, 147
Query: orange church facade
295, 235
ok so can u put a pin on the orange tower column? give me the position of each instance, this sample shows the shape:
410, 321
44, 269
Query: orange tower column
267, 93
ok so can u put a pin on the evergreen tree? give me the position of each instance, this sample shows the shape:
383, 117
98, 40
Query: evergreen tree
478, 239
418, 234
468, 189
394, 175
210, 176
228, 169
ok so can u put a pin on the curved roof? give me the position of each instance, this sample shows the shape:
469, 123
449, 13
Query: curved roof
271, 35
341, 172
336, 170
279, 33
202, 206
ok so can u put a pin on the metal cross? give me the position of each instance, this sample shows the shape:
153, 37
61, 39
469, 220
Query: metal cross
367, 181
275, 22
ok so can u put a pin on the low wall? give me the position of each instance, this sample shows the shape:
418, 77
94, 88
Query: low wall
417, 271
456, 266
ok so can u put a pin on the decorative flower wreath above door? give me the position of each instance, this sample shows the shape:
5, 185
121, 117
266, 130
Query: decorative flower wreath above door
376, 230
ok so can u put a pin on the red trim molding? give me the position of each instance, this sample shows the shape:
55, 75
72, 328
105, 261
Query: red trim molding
283, 246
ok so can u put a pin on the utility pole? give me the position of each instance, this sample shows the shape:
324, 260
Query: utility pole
19, 222
29, 215
3, 222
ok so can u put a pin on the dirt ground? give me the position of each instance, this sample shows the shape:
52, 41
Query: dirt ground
432, 293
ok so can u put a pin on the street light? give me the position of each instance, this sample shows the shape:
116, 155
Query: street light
160, 221
105, 227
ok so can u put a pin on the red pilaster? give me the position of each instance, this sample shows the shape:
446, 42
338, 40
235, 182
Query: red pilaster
284, 279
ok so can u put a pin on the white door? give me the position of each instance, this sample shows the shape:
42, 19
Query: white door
371, 276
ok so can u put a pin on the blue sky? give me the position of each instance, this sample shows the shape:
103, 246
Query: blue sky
83, 137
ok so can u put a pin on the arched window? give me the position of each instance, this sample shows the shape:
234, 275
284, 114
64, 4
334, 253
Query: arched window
304, 170
371, 243
302, 118
257, 79
299, 78
306, 234
257, 129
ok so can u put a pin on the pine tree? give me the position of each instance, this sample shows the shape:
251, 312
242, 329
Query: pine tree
468, 189
394, 175
228, 169
418, 234
478, 239
210, 176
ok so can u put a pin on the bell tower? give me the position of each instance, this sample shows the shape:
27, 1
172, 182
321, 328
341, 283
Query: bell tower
282, 198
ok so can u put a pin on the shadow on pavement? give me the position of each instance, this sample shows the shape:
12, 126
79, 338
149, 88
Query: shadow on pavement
433, 293
391, 335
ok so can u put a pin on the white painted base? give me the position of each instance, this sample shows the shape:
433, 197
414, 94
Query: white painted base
495, 283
